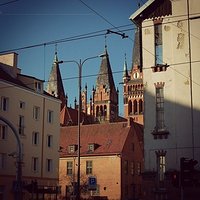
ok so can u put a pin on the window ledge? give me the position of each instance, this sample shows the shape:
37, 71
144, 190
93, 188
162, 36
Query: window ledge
160, 134
160, 68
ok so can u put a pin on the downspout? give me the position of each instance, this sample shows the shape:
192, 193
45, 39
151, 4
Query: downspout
42, 150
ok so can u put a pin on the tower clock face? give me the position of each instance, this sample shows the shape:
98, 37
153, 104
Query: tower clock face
136, 75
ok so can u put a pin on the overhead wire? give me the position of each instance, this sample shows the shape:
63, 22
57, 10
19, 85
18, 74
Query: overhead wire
114, 72
9, 2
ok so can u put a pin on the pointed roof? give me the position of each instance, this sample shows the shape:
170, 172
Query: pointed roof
69, 117
125, 72
55, 84
105, 76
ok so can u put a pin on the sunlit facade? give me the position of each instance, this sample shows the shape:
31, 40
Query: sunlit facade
35, 116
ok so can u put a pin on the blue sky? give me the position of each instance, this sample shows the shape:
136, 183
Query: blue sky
26, 23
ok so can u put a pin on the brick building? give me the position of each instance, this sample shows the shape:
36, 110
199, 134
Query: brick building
110, 152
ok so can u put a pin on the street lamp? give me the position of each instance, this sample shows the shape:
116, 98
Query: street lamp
80, 65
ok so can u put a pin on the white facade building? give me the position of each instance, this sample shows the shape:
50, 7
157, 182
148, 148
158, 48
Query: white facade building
170, 35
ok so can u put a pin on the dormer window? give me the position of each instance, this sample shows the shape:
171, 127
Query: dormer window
38, 86
72, 148
91, 147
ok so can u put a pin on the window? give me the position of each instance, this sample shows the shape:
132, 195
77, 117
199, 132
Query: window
89, 167
50, 116
35, 164
69, 167
138, 168
49, 140
2, 160
4, 103
161, 164
132, 168
22, 104
135, 106
35, 138
21, 125
126, 167
90, 147
36, 112
160, 129
49, 165
72, 148
158, 44
38, 86
130, 107
140, 106
3, 132
133, 147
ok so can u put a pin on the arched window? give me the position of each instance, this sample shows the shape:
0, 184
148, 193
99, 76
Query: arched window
101, 110
130, 107
140, 106
105, 110
97, 111
135, 107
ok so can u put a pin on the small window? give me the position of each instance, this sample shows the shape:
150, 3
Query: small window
36, 113
4, 103
69, 168
72, 148
35, 164
138, 168
22, 104
126, 167
49, 140
91, 147
50, 116
2, 160
38, 86
35, 138
3, 132
21, 125
133, 147
89, 167
132, 168
49, 165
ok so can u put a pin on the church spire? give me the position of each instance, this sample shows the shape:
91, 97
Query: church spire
125, 72
55, 84
105, 94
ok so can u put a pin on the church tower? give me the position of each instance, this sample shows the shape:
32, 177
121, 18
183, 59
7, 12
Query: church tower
133, 84
105, 95
55, 84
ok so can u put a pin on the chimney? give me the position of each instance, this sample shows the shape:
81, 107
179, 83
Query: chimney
9, 59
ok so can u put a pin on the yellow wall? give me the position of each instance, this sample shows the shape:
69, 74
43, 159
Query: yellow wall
106, 169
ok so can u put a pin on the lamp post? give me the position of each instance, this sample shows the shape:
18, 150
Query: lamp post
80, 65
18, 183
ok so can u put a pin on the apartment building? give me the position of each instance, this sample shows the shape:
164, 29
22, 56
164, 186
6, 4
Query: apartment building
35, 116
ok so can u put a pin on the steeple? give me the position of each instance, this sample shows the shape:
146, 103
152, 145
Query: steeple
55, 84
125, 72
105, 76
105, 94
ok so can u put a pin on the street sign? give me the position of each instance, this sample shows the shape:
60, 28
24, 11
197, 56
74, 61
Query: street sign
92, 183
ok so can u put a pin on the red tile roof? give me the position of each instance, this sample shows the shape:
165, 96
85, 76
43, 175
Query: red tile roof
109, 138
